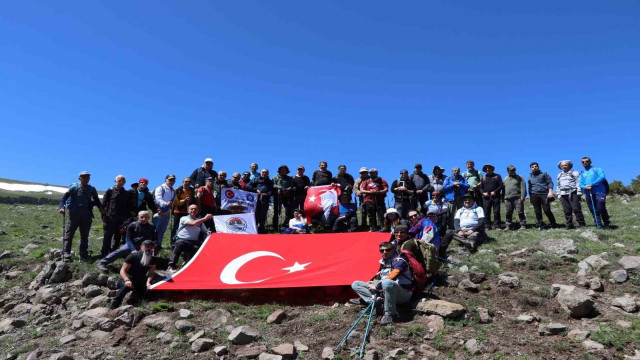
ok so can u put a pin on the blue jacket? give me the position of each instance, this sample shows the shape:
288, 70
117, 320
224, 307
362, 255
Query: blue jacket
592, 176
450, 190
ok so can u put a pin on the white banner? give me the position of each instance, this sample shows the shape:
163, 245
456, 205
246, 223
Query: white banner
236, 224
244, 198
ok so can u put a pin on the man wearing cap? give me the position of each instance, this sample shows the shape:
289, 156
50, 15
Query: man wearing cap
570, 192
137, 232
491, 188
283, 196
455, 186
189, 237
344, 180
515, 191
594, 185
301, 183
117, 206
207, 202
163, 197
244, 181
347, 219
263, 186
364, 175
79, 200
374, 190
468, 227
185, 196
199, 176
322, 176
137, 267
141, 199
437, 179
473, 177
403, 190
541, 195
422, 184
219, 184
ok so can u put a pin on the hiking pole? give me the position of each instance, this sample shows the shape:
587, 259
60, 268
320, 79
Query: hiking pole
593, 206
64, 223
366, 332
344, 338
449, 261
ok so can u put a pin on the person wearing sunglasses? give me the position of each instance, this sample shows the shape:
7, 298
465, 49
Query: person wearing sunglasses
394, 282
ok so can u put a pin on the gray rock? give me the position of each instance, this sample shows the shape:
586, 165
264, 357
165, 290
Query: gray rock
61, 356
265, 356
158, 322
578, 334
27, 249
559, 246
105, 324
185, 314
551, 329
440, 307
468, 285
67, 339
276, 317
396, 352
94, 279
590, 235
99, 301
243, 335
112, 282
94, 313
9, 324
473, 347
60, 273
287, 351
122, 309
619, 276
592, 345
595, 284
47, 295
34, 355
434, 324
626, 303
6, 254
201, 345
21, 309
12, 275
576, 302
99, 334
196, 336
184, 326
300, 346
77, 324
595, 262
624, 324
327, 353
508, 279
528, 318
126, 319
2, 232
221, 350
484, 316
630, 263
477, 278
249, 352
92, 291
164, 337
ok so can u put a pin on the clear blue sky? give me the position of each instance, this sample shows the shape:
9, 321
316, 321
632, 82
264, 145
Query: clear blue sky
147, 88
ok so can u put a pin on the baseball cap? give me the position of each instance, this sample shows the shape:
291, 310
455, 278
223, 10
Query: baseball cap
208, 160
143, 180
170, 176
84, 173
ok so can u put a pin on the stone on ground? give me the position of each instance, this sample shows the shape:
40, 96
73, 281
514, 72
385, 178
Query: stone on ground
576, 302
630, 263
551, 329
559, 246
276, 317
440, 307
243, 335
201, 345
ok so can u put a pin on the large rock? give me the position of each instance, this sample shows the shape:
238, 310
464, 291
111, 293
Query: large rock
434, 324
626, 303
9, 324
559, 246
619, 276
105, 324
21, 309
440, 307
92, 291
47, 295
99, 301
630, 263
595, 262
184, 326
60, 273
276, 317
94, 279
551, 329
576, 302
158, 322
94, 314
508, 279
243, 335
287, 351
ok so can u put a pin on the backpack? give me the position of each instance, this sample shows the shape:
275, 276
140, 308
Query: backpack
606, 186
429, 254
420, 277
71, 202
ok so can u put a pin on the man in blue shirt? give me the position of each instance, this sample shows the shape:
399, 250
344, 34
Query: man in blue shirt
347, 219
592, 182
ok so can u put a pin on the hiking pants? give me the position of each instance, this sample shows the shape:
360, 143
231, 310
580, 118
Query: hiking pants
286, 201
161, 223
139, 289
472, 241
601, 208
489, 203
187, 248
122, 252
375, 212
540, 203
77, 220
363, 212
298, 200
174, 227
344, 223
112, 235
511, 204
571, 206
393, 294
262, 207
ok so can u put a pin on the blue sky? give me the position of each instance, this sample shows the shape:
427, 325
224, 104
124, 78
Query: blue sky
148, 88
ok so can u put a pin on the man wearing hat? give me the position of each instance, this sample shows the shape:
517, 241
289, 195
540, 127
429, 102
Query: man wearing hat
515, 191
79, 200
422, 184
137, 232
347, 219
570, 193
374, 190
301, 183
116, 203
491, 188
468, 227
199, 176
541, 195
140, 198
437, 180
137, 267
364, 175
403, 190
163, 197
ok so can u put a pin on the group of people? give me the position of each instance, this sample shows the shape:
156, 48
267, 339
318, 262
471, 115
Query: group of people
435, 208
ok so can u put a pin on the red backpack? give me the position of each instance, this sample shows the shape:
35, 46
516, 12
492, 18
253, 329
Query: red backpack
420, 276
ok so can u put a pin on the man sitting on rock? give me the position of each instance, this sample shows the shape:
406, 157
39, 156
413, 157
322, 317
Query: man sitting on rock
469, 226
137, 232
188, 236
394, 282
137, 267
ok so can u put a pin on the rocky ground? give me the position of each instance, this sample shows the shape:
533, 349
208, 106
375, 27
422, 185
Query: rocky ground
556, 294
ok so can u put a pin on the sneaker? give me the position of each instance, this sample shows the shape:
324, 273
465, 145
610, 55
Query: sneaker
171, 270
522, 227
102, 267
357, 301
388, 319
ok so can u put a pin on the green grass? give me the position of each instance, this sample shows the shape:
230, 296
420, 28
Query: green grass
616, 336
321, 318
161, 307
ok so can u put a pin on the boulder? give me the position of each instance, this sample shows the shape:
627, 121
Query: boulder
92, 291
576, 302
112, 282
94, 313
626, 303
551, 329
440, 307
559, 246
126, 319
596, 262
184, 326
242, 335
99, 301
60, 274
9, 324
630, 263
21, 309
508, 279
619, 276
468, 285
105, 324
287, 351
47, 295
94, 279
158, 322
276, 317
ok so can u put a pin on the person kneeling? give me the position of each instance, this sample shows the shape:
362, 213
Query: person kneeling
188, 239
394, 282
347, 219
469, 227
133, 271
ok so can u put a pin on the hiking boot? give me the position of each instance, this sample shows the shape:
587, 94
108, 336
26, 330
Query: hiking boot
357, 301
102, 267
570, 227
522, 227
388, 319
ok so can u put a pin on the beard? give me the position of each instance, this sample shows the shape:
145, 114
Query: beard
146, 258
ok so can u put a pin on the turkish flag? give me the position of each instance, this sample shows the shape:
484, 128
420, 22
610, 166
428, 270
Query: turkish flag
240, 261
321, 200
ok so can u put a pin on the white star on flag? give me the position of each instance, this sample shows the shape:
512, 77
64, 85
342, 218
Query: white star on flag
296, 267
312, 198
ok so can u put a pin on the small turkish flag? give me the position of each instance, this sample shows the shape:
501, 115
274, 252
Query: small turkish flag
232, 261
321, 200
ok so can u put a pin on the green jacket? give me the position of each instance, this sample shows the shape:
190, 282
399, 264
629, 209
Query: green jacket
472, 177
514, 186
284, 183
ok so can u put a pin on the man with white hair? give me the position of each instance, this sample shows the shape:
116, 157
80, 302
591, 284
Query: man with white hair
137, 232
570, 194
118, 209
188, 236
199, 176
137, 267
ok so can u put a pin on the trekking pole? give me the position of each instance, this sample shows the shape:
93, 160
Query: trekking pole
366, 332
449, 261
593, 206
344, 338
64, 223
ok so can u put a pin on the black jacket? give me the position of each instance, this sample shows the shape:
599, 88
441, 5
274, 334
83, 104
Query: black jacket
147, 202
321, 178
137, 233
116, 202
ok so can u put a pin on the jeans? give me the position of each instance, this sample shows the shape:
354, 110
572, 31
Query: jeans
342, 224
512, 204
599, 200
489, 203
161, 223
77, 220
571, 206
540, 202
122, 252
262, 207
176, 224
393, 294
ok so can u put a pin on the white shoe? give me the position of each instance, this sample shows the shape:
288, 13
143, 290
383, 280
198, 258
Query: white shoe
171, 270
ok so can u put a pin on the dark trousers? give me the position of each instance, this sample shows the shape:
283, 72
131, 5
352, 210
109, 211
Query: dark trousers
471, 241
175, 225
375, 212
286, 201
209, 223
571, 206
77, 220
488, 204
541, 203
186, 248
298, 200
343, 224
112, 235
403, 206
599, 200
139, 289
512, 204
262, 207
363, 212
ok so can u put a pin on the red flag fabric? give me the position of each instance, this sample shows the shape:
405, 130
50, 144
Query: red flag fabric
321, 200
232, 261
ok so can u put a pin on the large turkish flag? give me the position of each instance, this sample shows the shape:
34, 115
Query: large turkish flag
321, 199
232, 261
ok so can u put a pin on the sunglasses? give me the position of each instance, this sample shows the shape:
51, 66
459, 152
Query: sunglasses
383, 250
413, 216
